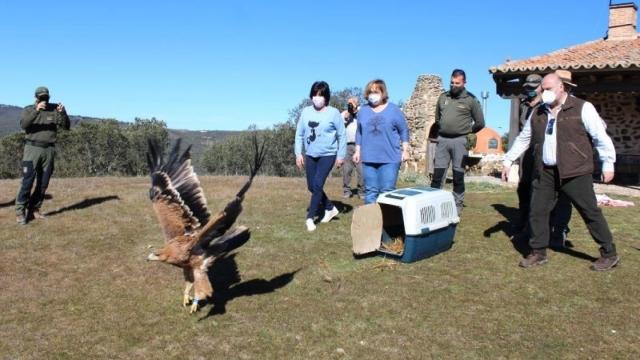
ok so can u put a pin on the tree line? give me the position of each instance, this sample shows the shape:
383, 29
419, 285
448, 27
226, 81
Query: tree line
232, 155
97, 148
111, 148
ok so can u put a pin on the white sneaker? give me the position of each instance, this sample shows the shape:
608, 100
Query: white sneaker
329, 214
310, 225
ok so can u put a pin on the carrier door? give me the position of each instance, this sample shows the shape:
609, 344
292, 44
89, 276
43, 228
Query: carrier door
366, 229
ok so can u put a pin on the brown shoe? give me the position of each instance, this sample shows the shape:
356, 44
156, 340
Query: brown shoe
38, 215
536, 257
21, 219
605, 263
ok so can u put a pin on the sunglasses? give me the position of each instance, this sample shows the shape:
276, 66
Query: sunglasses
550, 126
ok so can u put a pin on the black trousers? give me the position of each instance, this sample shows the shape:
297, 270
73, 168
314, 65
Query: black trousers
579, 190
561, 214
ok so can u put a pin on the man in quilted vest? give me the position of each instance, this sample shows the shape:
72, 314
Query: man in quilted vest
563, 132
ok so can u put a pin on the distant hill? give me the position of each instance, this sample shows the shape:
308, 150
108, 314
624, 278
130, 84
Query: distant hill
200, 139
10, 119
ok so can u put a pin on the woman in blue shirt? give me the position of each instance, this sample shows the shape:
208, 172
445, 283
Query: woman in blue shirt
321, 132
382, 141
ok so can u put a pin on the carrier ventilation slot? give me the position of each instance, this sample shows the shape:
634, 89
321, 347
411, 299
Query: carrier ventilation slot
428, 214
446, 209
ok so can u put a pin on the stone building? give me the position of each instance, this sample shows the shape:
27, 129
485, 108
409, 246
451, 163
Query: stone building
607, 73
420, 112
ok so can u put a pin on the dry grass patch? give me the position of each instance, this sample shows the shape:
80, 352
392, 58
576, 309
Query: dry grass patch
76, 285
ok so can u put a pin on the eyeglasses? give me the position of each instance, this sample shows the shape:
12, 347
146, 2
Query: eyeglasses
550, 126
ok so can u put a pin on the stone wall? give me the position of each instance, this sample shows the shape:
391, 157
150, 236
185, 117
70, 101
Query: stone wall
621, 112
420, 113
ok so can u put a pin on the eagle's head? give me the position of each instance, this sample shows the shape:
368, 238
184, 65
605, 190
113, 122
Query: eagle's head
157, 256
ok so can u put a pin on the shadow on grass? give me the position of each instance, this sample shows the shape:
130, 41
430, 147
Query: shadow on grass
575, 253
519, 240
507, 226
342, 207
227, 286
13, 201
8, 203
84, 204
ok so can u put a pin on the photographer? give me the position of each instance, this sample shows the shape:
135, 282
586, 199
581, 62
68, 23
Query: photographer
351, 125
40, 122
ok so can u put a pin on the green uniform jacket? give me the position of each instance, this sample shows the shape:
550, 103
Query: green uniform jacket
42, 125
458, 116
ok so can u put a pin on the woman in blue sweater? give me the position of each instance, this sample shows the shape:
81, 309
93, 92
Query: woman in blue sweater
382, 141
321, 132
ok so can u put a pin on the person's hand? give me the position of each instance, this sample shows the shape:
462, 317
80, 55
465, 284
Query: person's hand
505, 173
339, 163
41, 105
405, 155
356, 157
300, 162
607, 176
60, 107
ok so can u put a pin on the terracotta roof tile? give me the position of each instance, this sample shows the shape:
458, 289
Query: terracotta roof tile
598, 54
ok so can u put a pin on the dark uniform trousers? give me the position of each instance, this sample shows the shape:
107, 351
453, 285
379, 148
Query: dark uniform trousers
579, 190
37, 165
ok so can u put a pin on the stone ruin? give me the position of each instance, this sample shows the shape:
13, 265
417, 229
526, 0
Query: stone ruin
420, 112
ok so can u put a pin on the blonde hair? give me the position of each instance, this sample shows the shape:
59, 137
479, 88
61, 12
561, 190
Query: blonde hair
379, 85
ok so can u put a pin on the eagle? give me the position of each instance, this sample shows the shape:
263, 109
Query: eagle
193, 237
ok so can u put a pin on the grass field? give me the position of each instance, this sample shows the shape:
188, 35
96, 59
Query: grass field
76, 286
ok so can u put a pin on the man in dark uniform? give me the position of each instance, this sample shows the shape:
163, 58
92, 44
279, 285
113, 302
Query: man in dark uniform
530, 99
458, 113
563, 132
41, 122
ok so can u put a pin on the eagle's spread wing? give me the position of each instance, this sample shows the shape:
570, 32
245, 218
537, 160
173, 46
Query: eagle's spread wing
211, 234
178, 199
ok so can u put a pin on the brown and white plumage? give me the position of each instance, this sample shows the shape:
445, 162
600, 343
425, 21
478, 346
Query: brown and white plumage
193, 237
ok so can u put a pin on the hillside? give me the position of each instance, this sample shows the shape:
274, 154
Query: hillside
200, 139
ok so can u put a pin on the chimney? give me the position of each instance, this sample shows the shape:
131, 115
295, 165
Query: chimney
622, 21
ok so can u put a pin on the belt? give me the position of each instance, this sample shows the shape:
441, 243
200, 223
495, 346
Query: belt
451, 136
39, 143
351, 143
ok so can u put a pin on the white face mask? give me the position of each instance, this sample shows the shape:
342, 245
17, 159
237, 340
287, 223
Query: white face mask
318, 101
548, 97
374, 98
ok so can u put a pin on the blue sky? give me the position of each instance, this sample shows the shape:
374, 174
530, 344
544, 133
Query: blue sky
223, 65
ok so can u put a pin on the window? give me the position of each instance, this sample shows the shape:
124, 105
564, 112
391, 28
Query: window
493, 143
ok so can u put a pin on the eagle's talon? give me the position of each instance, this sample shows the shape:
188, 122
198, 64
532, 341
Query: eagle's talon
194, 307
